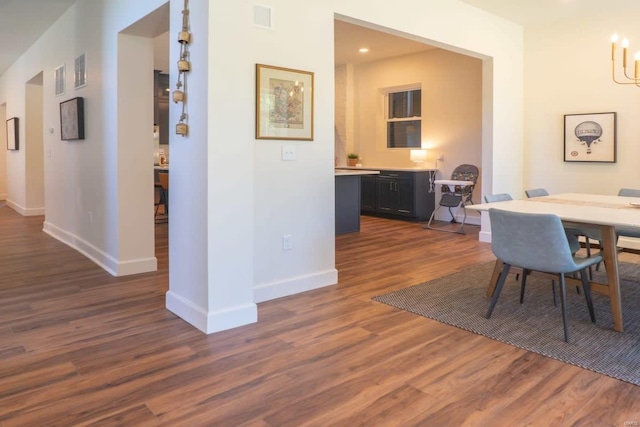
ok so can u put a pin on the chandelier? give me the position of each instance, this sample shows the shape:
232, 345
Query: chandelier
635, 80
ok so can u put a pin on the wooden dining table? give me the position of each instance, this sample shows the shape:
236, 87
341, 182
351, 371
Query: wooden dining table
614, 215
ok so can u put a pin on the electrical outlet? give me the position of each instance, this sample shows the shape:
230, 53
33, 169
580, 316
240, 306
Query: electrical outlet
288, 152
287, 242
440, 158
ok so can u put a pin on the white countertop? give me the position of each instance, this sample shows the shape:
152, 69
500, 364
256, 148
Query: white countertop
385, 168
355, 171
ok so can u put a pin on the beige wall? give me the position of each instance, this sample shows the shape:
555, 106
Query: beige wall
451, 109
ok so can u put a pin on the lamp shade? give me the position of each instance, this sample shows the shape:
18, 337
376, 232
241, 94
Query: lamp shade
418, 156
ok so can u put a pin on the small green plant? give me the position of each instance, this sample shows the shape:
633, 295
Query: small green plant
352, 155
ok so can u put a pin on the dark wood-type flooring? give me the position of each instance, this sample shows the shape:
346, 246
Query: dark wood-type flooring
79, 347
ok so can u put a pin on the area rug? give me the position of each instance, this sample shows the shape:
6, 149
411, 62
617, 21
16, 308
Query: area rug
460, 300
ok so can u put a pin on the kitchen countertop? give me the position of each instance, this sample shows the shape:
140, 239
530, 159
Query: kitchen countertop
373, 168
355, 171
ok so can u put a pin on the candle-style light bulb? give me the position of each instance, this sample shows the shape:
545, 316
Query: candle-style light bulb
614, 38
636, 73
625, 45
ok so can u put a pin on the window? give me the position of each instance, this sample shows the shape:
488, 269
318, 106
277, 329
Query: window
404, 121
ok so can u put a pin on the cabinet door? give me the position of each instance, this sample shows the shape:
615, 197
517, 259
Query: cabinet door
368, 192
386, 195
405, 193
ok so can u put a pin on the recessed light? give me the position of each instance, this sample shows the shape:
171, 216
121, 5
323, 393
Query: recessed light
363, 50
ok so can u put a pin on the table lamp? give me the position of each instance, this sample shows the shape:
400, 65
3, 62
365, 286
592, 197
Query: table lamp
418, 157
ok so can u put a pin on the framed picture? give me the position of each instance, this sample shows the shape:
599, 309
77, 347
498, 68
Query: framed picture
80, 72
12, 133
72, 119
590, 137
284, 103
59, 76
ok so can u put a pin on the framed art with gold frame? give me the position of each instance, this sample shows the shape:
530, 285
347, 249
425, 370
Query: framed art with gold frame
284, 103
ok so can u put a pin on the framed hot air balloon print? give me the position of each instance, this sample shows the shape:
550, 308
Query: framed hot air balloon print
590, 137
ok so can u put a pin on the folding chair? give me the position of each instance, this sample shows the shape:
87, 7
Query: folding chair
457, 191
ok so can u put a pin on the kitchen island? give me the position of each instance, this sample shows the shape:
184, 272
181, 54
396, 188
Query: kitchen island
347, 199
399, 193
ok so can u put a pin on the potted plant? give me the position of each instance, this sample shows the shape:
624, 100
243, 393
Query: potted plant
352, 159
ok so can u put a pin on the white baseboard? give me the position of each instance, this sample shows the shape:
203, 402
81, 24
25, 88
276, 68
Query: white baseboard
473, 218
103, 259
214, 321
25, 211
629, 242
484, 236
294, 285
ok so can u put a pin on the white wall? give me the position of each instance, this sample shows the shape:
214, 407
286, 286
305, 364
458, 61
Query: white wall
91, 199
451, 109
3, 151
232, 198
33, 147
568, 72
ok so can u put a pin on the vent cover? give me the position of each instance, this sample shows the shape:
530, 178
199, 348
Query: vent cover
262, 16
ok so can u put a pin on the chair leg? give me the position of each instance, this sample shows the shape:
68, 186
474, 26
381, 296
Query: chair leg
162, 201
563, 303
587, 294
523, 284
496, 294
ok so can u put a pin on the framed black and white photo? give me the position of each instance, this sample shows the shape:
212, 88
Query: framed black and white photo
12, 133
590, 137
72, 119
80, 72
59, 76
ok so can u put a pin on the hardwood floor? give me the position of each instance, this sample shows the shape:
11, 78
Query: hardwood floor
79, 347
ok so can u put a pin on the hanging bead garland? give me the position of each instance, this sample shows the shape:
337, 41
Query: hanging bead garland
184, 66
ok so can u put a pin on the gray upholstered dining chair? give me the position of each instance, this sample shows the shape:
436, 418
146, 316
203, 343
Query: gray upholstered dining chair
629, 192
537, 242
502, 197
579, 230
536, 192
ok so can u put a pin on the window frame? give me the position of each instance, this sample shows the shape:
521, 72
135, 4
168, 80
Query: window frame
387, 92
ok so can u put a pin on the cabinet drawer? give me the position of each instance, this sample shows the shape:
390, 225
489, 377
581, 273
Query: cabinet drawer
396, 174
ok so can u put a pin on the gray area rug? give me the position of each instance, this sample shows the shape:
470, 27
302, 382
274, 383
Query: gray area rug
459, 300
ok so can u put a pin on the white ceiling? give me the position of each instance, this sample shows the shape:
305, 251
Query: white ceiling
22, 22
349, 38
539, 12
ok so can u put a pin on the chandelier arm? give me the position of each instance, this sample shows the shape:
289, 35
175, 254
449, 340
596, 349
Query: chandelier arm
613, 77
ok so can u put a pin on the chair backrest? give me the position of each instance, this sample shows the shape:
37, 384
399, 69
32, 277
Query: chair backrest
629, 192
502, 197
163, 177
536, 192
463, 172
531, 241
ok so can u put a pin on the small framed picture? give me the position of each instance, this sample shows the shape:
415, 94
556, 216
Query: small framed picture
80, 72
72, 119
590, 137
59, 77
284, 103
12, 133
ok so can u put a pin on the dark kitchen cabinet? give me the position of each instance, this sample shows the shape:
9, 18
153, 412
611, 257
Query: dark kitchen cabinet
398, 193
